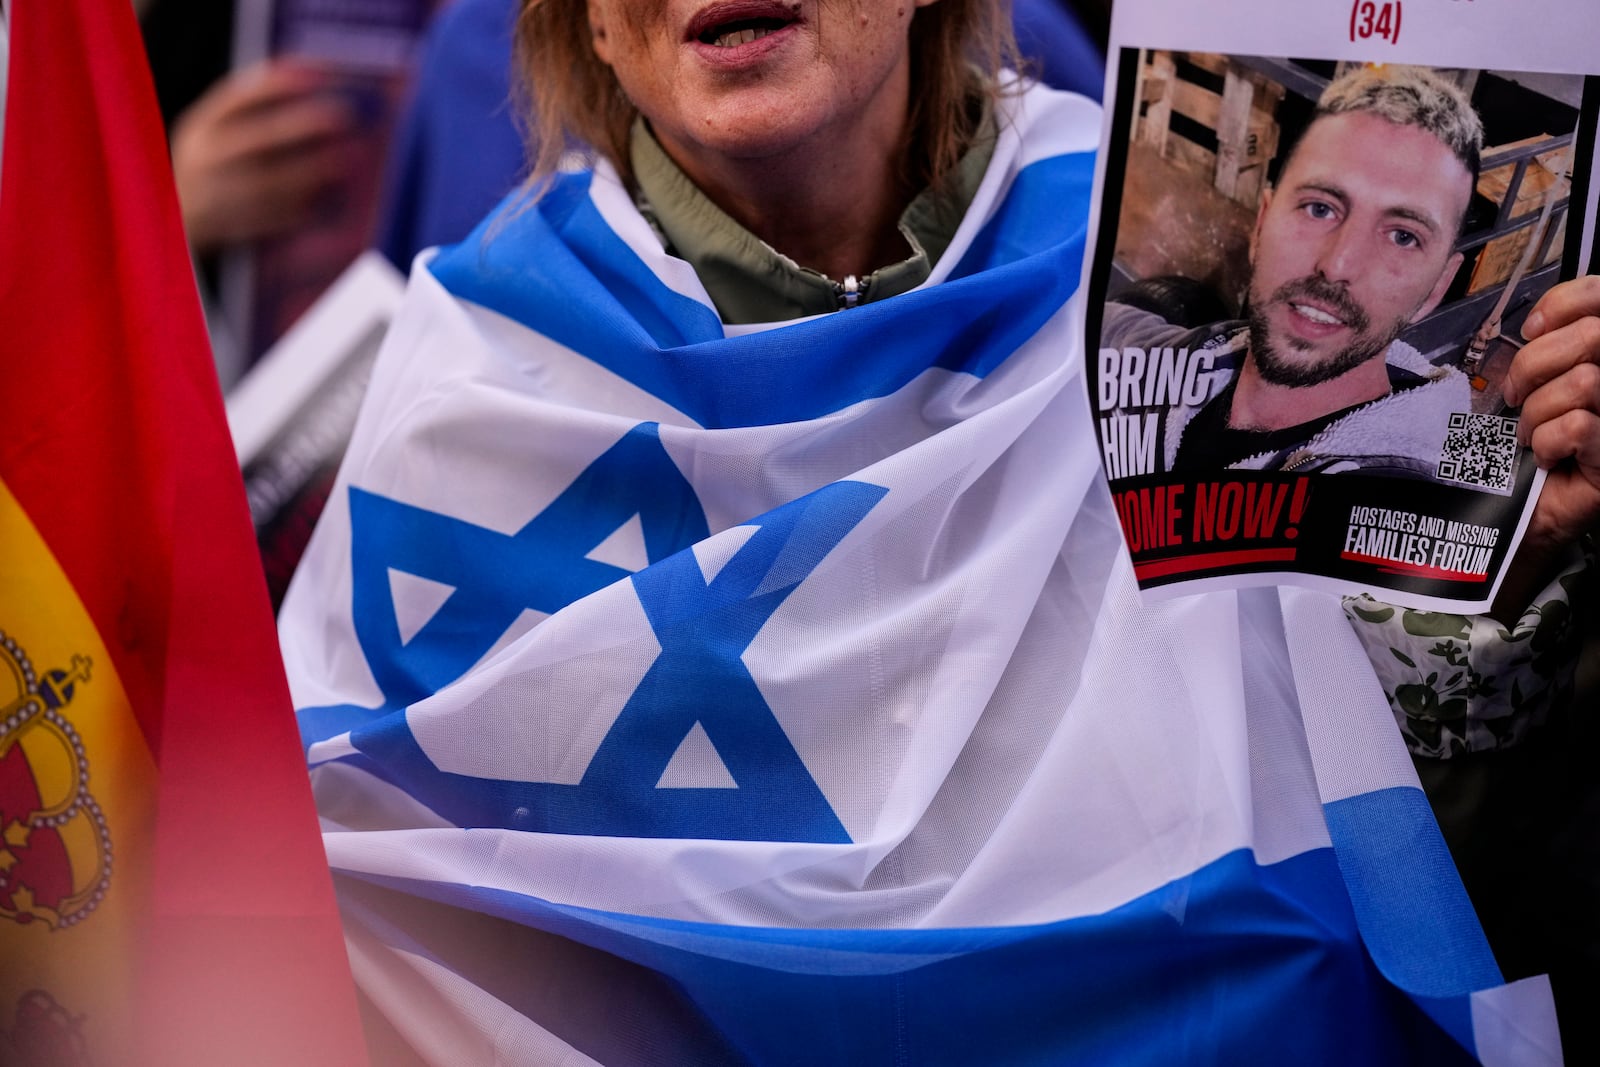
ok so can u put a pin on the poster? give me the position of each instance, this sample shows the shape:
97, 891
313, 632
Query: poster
1321, 228
292, 415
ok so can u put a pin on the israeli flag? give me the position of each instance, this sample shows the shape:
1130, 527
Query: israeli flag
678, 693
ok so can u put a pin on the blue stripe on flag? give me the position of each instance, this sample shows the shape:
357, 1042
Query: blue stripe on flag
1415, 915
1235, 964
591, 294
321, 723
1039, 193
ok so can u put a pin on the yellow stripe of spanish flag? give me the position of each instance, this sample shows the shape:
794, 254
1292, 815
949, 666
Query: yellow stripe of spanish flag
77, 798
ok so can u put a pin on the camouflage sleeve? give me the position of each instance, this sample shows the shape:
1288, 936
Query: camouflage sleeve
1464, 683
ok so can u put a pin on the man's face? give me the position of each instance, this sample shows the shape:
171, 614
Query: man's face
1353, 245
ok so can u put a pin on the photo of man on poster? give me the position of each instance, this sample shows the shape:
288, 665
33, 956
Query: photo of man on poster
1354, 243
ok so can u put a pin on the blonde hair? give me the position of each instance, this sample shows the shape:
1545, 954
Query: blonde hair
959, 49
1411, 96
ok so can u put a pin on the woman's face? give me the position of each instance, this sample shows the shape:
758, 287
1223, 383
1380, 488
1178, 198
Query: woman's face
756, 79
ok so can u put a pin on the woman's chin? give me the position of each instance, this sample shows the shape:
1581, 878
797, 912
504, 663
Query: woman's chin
746, 130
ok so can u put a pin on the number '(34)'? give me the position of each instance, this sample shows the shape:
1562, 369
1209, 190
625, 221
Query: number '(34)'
1369, 19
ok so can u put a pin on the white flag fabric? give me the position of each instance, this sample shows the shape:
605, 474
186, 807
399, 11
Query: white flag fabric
685, 693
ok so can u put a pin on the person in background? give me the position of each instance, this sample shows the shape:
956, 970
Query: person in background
254, 150
1064, 42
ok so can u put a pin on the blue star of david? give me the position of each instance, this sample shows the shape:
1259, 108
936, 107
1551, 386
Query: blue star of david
495, 576
542, 566
698, 678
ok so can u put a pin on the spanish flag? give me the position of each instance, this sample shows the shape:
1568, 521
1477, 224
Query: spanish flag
163, 894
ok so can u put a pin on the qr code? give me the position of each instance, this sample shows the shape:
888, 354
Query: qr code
1480, 451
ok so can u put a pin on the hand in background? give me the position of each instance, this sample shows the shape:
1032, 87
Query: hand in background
253, 155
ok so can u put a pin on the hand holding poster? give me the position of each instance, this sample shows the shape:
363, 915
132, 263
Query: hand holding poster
363, 49
1310, 280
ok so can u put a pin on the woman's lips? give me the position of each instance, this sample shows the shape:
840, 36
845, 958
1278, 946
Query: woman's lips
717, 20
741, 32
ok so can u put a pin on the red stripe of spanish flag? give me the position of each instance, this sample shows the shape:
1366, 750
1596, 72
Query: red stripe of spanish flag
151, 759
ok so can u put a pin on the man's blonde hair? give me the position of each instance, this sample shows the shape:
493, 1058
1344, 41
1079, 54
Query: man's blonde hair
1411, 96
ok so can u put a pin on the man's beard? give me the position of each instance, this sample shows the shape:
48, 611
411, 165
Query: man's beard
1276, 369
